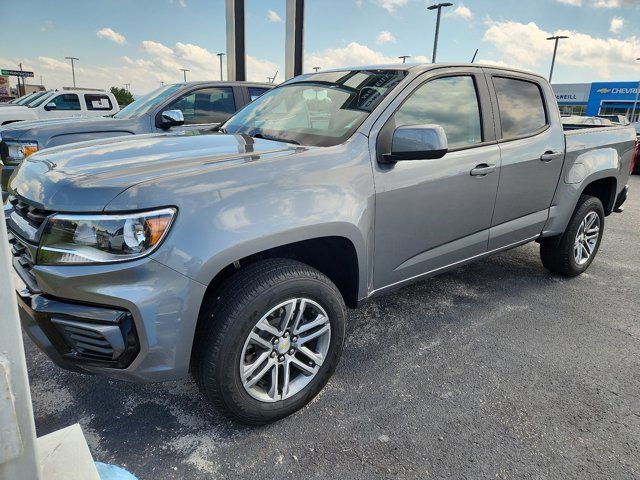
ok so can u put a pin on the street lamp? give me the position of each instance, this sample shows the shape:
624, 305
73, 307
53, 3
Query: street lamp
439, 7
184, 72
220, 55
404, 58
555, 50
73, 70
316, 69
635, 102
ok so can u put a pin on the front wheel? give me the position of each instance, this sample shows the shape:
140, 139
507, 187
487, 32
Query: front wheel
572, 253
270, 341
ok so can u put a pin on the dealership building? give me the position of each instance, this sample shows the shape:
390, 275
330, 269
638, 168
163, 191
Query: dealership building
600, 98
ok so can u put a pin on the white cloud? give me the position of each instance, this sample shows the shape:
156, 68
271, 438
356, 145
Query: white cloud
607, 4
616, 24
420, 59
181, 3
353, 54
109, 34
157, 63
385, 37
575, 3
273, 17
391, 5
358, 3
531, 50
46, 25
462, 12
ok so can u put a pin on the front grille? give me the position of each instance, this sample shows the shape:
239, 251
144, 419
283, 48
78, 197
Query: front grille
23, 260
91, 342
34, 216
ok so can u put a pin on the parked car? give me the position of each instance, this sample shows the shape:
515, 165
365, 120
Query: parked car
616, 119
62, 104
187, 106
233, 254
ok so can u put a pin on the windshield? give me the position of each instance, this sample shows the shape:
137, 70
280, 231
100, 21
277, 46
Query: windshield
320, 109
147, 103
22, 100
39, 99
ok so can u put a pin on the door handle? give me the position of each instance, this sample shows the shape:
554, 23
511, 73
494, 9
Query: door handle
482, 170
550, 155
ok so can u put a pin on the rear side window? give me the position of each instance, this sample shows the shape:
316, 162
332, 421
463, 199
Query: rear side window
97, 101
207, 105
452, 103
521, 107
255, 92
67, 101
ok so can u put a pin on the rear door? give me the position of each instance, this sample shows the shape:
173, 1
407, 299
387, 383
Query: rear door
531, 142
435, 213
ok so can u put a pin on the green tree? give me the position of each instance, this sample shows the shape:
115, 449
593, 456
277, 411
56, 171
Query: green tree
122, 95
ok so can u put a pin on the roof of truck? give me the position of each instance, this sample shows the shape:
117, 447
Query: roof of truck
426, 66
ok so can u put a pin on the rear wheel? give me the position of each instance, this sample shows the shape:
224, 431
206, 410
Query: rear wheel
572, 253
271, 340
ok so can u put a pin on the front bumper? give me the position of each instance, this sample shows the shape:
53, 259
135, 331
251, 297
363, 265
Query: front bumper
142, 315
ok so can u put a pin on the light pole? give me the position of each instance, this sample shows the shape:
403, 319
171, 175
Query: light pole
439, 7
635, 102
184, 72
220, 55
555, 50
404, 58
127, 87
316, 69
73, 69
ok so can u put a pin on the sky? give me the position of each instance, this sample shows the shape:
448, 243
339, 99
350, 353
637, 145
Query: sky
145, 42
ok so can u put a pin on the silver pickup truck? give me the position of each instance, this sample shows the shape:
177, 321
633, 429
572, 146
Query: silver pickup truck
233, 254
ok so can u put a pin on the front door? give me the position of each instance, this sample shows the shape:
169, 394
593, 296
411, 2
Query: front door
434, 213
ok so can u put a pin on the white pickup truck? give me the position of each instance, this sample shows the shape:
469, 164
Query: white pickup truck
62, 104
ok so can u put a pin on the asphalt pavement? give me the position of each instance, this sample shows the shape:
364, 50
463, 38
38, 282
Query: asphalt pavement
494, 370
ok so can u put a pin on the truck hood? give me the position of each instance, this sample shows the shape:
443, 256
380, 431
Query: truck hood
85, 177
21, 111
32, 129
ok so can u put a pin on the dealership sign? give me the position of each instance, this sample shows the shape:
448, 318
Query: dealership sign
572, 92
17, 73
4, 86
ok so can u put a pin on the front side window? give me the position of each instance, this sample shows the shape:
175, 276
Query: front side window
67, 101
319, 109
521, 107
207, 105
452, 103
97, 102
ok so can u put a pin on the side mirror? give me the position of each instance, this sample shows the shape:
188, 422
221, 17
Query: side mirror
417, 142
50, 106
171, 118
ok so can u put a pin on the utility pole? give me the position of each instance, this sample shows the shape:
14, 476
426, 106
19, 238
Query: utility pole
184, 72
557, 38
439, 7
635, 102
73, 69
404, 58
220, 55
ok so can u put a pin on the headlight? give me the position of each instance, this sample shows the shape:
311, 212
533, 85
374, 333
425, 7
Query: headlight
18, 151
76, 239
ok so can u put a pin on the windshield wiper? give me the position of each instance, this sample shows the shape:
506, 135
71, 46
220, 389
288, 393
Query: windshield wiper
275, 139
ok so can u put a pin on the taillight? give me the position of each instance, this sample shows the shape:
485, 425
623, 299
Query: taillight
636, 149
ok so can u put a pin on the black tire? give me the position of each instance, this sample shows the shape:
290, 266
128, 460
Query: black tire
557, 253
228, 319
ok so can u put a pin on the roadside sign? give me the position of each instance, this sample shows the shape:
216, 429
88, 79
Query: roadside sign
4, 86
17, 73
